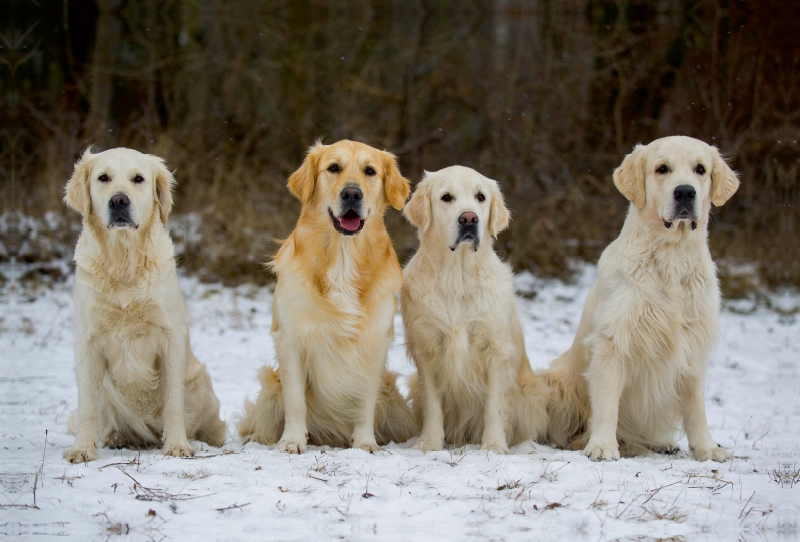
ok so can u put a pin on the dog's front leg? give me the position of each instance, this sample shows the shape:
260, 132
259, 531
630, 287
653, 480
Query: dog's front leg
175, 442
293, 385
432, 437
495, 415
90, 370
695, 423
364, 429
606, 380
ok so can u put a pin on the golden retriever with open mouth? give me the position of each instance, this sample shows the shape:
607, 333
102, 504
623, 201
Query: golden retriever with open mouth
635, 372
475, 383
139, 383
333, 310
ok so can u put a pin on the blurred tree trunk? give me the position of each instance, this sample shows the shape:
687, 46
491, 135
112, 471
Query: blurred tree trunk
100, 125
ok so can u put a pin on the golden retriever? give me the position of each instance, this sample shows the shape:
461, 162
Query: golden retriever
139, 383
636, 368
333, 310
475, 383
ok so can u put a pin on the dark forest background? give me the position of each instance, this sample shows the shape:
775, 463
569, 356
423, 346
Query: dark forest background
545, 96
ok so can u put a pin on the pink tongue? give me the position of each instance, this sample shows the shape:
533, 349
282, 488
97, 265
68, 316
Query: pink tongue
350, 223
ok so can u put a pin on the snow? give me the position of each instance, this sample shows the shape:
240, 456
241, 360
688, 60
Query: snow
253, 492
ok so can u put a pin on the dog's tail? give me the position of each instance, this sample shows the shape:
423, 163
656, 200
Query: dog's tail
567, 409
531, 414
263, 419
414, 398
394, 421
72, 423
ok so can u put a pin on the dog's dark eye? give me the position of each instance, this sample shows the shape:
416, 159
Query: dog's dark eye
333, 168
700, 170
138, 179
447, 198
103, 178
662, 169
369, 171
481, 197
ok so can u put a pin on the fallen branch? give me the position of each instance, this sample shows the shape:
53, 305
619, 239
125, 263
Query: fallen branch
234, 506
158, 495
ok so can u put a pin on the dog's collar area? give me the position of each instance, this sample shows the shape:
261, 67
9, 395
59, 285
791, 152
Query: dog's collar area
337, 222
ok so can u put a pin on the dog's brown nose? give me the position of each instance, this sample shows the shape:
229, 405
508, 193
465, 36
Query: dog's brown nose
119, 201
468, 219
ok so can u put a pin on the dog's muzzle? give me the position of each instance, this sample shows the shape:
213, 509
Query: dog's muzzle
468, 231
119, 212
349, 221
684, 206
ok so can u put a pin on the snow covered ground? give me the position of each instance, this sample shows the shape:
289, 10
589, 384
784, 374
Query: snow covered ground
253, 492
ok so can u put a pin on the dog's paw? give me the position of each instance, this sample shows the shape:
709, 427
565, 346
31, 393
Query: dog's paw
117, 441
429, 444
292, 446
178, 449
77, 455
496, 447
367, 446
666, 449
717, 453
601, 452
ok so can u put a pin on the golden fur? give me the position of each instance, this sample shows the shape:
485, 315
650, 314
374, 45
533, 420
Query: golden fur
139, 384
333, 311
475, 383
634, 374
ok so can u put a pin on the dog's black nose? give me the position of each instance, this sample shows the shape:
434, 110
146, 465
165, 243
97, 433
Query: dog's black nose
468, 219
119, 201
684, 193
351, 194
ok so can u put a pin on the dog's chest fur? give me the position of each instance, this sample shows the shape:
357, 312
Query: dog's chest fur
128, 336
459, 325
128, 326
343, 292
341, 329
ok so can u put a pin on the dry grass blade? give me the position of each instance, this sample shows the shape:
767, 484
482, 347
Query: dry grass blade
159, 495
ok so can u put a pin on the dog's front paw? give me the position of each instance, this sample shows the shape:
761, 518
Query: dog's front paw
81, 455
292, 445
116, 441
429, 444
666, 449
496, 447
367, 446
178, 449
717, 453
602, 451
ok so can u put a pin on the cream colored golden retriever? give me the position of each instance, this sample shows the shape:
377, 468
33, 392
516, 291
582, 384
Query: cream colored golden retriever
333, 310
474, 382
635, 372
139, 383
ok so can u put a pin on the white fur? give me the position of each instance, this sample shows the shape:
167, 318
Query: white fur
634, 374
475, 383
137, 375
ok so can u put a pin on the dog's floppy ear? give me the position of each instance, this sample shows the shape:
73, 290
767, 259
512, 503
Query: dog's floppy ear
724, 182
164, 182
629, 177
499, 214
395, 186
301, 182
418, 208
77, 190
